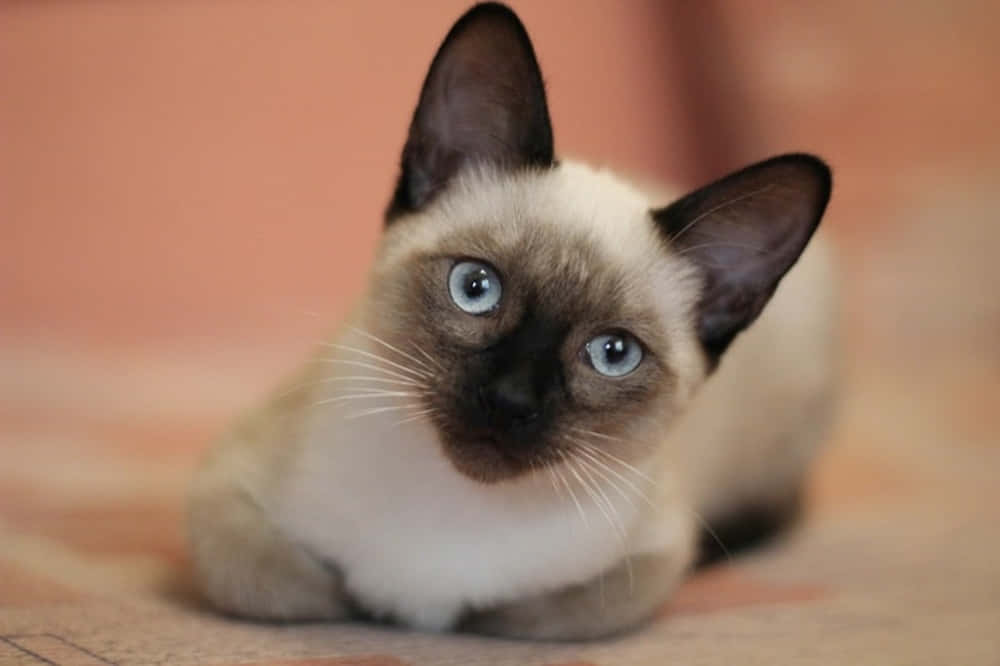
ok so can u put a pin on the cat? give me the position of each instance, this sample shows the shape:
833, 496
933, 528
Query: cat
549, 389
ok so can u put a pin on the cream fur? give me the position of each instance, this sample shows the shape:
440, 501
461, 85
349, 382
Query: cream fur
415, 540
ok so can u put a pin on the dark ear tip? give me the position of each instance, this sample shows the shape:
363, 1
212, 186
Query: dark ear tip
490, 7
493, 16
816, 167
496, 10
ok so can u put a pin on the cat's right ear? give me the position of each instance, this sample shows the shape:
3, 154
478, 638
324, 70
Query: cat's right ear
483, 102
744, 232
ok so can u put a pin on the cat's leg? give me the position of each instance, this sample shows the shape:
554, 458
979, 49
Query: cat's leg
611, 603
244, 565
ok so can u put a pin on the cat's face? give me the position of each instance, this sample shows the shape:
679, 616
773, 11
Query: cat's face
549, 330
556, 312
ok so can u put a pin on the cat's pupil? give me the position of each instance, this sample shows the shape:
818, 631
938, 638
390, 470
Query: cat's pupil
477, 284
614, 350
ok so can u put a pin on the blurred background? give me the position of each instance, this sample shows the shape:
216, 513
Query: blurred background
190, 195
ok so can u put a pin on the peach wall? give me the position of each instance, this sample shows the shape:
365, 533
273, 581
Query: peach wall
198, 175
178, 170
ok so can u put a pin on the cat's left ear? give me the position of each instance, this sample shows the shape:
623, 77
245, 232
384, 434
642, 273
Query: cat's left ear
743, 233
483, 101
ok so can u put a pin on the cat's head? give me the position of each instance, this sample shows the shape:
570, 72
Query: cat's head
553, 308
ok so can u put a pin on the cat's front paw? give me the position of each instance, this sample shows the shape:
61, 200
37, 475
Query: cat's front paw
245, 566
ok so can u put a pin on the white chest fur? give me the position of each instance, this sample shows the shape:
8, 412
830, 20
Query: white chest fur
417, 540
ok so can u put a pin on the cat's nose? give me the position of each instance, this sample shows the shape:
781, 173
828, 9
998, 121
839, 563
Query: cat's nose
510, 400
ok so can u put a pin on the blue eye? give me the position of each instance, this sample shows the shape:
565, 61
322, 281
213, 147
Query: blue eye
475, 287
614, 354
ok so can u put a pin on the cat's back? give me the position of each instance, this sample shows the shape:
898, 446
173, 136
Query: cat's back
757, 422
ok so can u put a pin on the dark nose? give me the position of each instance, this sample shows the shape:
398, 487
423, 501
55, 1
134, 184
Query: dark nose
510, 400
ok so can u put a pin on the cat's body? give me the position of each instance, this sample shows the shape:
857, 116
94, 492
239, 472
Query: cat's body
540, 497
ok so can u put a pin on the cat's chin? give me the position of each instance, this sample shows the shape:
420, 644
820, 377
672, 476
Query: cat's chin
486, 459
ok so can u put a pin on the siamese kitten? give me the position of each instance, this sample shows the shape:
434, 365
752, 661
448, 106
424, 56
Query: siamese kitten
547, 390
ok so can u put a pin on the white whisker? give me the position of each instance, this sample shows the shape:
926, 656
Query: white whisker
569, 489
590, 452
607, 517
363, 396
399, 351
615, 524
369, 366
374, 393
421, 374
611, 438
586, 453
625, 496
335, 379
430, 358
379, 410
377, 380
712, 533
416, 415
615, 459
547, 466
583, 484
601, 500
599, 435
